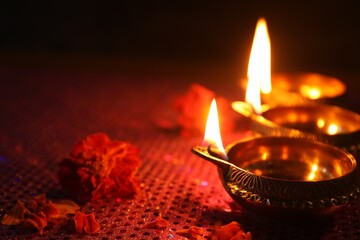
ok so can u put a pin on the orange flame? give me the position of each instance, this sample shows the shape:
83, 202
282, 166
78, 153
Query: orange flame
212, 130
259, 69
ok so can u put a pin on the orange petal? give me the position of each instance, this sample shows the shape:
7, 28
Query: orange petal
98, 140
86, 222
242, 236
37, 221
158, 223
36, 202
232, 231
193, 232
66, 207
50, 211
16, 215
79, 221
92, 225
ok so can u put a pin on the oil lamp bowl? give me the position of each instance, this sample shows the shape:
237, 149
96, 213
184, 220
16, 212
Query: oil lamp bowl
326, 123
309, 85
283, 176
297, 88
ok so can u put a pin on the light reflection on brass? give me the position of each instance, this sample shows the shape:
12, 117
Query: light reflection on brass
306, 118
290, 158
289, 89
297, 175
326, 123
309, 85
313, 173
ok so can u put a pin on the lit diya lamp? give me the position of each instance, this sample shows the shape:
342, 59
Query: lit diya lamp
282, 176
289, 115
288, 88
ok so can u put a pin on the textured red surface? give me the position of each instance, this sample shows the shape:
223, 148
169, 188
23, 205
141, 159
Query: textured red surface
43, 113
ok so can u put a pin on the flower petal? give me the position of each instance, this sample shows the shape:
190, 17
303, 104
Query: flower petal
193, 232
37, 221
86, 222
50, 211
16, 215
35, 202
159, 224
232, 231
79, 219
66, 207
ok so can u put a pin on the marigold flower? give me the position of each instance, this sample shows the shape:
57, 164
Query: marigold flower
100, 168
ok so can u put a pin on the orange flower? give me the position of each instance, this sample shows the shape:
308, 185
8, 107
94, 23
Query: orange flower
100, 168
193, 108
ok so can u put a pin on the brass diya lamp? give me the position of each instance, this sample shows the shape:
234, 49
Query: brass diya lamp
282, 176
286, 170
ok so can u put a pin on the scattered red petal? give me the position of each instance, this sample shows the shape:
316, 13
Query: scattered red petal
86, 222
232, 231
16, 215
195, 233
35, 202
37, 221
66, 207
38, 211
101, 168
159, 223
50, 211
242, 236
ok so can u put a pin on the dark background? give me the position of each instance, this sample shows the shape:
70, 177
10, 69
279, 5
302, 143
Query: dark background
308, 36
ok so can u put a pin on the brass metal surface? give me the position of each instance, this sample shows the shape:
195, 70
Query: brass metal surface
277, 175
309, 85
322, 122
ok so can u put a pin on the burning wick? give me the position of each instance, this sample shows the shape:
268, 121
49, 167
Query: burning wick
212, 136
216, 152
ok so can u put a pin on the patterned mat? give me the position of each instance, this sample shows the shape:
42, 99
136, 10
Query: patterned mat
43, 113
